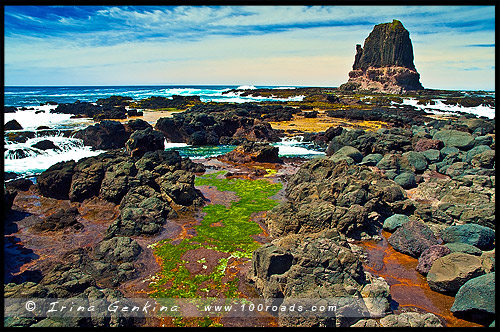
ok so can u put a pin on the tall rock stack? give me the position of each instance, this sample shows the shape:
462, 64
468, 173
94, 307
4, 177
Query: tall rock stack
385, 62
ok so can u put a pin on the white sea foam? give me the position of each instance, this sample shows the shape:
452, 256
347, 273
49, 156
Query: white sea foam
39, 160
294, 147
246, 87
41, 116
441, 108
175, 145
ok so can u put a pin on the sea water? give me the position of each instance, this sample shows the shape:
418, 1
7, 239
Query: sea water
33, 112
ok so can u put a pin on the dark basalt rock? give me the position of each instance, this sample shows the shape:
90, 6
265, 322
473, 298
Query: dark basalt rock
318, 268
174, 102
8, 198
55, 182
252, 152
9, 109
209, 124
78, 109
61, 219
142, 141
45, 145
12, 125
117, 250
114, 113
137, 124
325, 194
19, 184
105, 135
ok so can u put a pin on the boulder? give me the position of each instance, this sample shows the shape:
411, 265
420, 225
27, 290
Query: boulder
473, 234
454, 138
475, 151
253, 152
371, 159
425, 144
412, 238
45, 145
55, 182
19, 184
432, 155
142, 141
450, 272
406, 180
315, 268
104, 135
117, 250
411, 319
463, 247
12, 125
416, 160
87, 179
394, 221
351, 152
483, 140
429, 256
485, 159
61, 219
476, 298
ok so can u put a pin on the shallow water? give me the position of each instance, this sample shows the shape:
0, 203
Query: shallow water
408, 287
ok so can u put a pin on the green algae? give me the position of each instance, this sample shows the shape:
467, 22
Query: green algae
233, 235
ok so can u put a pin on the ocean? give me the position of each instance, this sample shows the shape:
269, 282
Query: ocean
23, 158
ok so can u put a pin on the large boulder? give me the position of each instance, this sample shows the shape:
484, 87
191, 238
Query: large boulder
61, 219
117, 250
450, 272
318, 268
253, 152
454, 138
350, 152
476, 298
55, 182
395, 221
473, 234
142, 141
407, 180
425, 144
104, 135
417, 160
45, 145
413, 238
326, 194
12, 125
429, 256
464, 247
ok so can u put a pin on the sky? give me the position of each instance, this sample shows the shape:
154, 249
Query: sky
454, 46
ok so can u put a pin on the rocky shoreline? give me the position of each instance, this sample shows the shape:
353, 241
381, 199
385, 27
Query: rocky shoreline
428, 181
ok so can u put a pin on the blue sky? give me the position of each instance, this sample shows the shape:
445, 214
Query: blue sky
454, 46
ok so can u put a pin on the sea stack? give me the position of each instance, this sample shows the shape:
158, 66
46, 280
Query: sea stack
385, 62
